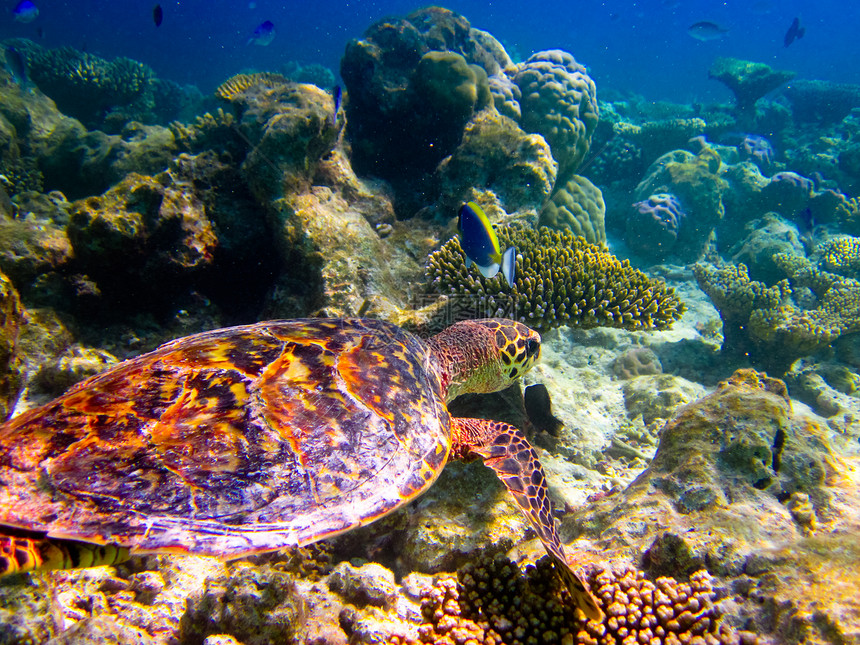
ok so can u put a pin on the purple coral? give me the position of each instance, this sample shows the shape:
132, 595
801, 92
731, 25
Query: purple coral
653, 226
757, 149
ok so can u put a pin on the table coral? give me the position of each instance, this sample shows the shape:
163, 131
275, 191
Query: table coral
747, 80
559, 102
577, 206
561, 280
492, 603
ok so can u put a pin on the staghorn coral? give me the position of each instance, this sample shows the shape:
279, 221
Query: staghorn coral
561, 280
579, 207
492, 602
559, 102
765, 324
235, 85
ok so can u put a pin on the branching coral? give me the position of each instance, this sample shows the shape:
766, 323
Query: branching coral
561, 280
764, 323
492, 602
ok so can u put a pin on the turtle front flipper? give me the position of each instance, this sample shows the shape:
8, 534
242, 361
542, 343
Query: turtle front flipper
23, 554
505, 449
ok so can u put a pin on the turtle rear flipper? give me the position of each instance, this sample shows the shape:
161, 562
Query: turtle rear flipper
22, 554
506, 450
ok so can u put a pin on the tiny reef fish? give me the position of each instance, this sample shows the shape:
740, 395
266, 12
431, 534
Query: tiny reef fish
338, 98
705, 31
25, 11
481, 246
157, 15
795, 32
263, 34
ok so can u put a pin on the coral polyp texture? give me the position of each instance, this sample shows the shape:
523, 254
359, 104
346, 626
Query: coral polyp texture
560, 280
493, 602
579, 207
559, 102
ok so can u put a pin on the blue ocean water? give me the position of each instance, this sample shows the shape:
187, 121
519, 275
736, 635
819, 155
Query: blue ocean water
634, 46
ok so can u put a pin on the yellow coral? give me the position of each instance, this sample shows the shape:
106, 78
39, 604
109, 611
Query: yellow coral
561, 280
237, 84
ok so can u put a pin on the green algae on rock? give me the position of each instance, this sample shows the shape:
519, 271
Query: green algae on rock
561, 280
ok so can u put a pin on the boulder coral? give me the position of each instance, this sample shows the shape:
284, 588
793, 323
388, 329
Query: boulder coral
561, 280
652, 226
559, 102
696, 182
413, 83
496, 155
579, 207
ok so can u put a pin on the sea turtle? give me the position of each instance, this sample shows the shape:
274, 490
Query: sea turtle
252, 438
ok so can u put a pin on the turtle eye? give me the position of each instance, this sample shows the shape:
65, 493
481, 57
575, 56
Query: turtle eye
532, 348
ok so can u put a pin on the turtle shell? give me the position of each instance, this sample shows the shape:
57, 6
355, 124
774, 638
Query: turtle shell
233, 441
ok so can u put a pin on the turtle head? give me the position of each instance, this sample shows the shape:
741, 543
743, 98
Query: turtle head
479, 356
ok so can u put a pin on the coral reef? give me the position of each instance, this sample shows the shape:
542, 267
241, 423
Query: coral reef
561, 280
495, 155
816, 101
577, 206
492, 602
765, 324
758, 150
653, 225
747, 80
240, 83
696, 183
88, 87
559, 102
413, 84
11, 318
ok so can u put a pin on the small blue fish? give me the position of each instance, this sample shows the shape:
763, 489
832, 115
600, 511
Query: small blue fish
338, 97
157, 15
25, 11
17, 66
263, 34
481, 246
705, 31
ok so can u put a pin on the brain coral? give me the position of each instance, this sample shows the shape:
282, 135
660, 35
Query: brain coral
578, 206
492, 602
559, 102
561, 280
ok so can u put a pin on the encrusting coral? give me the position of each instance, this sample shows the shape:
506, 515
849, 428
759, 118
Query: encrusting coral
492, 602
579, 207
560, 280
